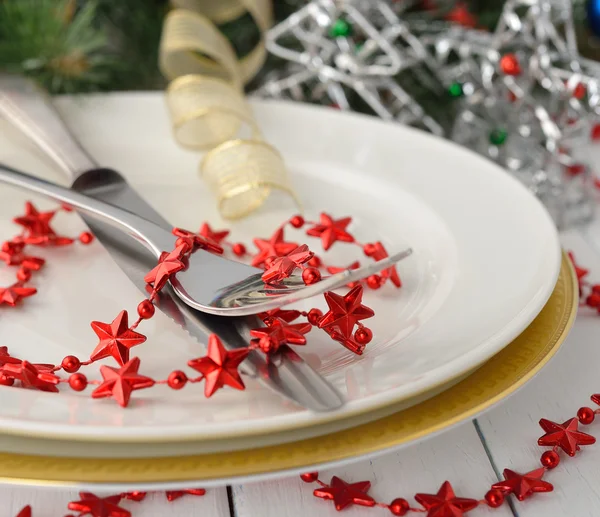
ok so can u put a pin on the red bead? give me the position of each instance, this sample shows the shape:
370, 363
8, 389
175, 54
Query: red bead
586, 415
369, 249
363, 335
309, 477
374, 281
314, 315
494, 498
23, 274
509, 64
596, 289
593, 300
311, 275
146, 309
550, 459
239, 249
136, 495
185, 242
70, 364
399, 506
78, 381
297, 221
579, 91
314, 262
177, 380
86, 238
6, 381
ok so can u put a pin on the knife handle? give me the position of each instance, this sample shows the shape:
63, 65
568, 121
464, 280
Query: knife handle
30, 109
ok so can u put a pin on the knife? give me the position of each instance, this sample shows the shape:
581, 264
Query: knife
31, 110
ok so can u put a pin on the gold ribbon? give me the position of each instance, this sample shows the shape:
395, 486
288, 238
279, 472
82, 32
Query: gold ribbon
207, 104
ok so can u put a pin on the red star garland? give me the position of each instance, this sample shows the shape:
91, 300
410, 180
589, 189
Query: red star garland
344, 312
523, 485
95, 506
566, 435
6, 358
169, 264
116, 339
345, 494
283, 267
195, 240
36, 224
172, 495
216, 236
279, 332
275, 246
445, 503
12, 295
331, 230
119, 383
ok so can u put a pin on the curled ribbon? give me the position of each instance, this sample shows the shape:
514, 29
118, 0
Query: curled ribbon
207, 104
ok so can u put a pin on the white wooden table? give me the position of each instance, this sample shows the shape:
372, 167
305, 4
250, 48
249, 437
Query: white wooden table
470, 456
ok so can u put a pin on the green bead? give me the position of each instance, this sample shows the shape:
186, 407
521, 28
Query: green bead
498, 136
455, 90
340, 28
359, 46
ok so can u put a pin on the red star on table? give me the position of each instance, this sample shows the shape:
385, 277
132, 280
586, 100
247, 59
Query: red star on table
219, 366
215, 236
345, 494
95, 506
523, 485
31, 376
169, 264
25, 512
176, 494
344, 312
6, 358
12, 295
282, 267
20, 259
116, 339
280, 332
565, 435
198, 241
119, 383
36, 224
331, 230
445, 503
380, 253
273, 247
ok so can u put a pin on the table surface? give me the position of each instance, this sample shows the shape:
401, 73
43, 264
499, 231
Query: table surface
471, 456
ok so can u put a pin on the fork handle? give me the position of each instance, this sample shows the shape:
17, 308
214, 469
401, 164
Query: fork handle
30, 109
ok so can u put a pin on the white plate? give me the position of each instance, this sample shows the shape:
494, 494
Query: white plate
486, 260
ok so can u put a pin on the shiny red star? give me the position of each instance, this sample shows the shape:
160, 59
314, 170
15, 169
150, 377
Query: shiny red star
36, 224
12, 295
119, 383
99, 506
273, 247
25, 512
20, 259
6, 358
176, 494
219, 366
116, 339
380, 253
280, 332
345, 494
331, 230
168, 265
445, 503
344, 312
282, 267
31, 376
215, 236
523, 485
196, 240
565, 435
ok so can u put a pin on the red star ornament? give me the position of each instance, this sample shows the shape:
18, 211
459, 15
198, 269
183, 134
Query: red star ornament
219, 366
172, 495
95, 506
116, 339
345, 494
283, 314
331, 230
168, 265
275, 246
445, 503
344, 312
281, 332
6, 358
565, 435
36, 224
199, 241
283, 267
381, 253
25, 512
12, 295
32, 376
215, 236
523, 485
20, 259
119, 383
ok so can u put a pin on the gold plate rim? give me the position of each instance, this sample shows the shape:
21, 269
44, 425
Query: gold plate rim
496, 379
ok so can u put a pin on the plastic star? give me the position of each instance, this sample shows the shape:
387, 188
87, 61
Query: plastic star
116, 339
345, 494
169, 265
344, 312
331, 230
282, 267
13, 294
36, 224
281, 332
25, 512
119, 383
176, 494
95, 506
6, 358
566, 435
20, 259
31, 376
219, 366
199, 241
523, 485
273, 247
381, 253
445, 503
215, 236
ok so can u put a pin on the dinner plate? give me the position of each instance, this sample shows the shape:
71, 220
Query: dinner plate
113, 467
486, 260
